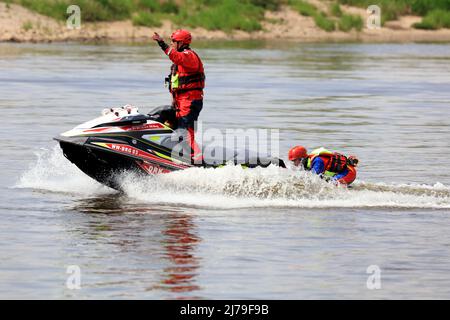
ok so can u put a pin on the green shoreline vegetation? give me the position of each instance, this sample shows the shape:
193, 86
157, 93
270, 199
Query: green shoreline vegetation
246, 15
328, 22
435, 13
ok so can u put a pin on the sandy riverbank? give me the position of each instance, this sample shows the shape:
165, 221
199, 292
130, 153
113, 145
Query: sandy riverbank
18, 24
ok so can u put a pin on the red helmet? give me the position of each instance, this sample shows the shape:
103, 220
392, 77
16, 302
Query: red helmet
297, 152
182, 36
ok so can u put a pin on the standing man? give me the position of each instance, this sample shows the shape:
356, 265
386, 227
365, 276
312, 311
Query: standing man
186, 83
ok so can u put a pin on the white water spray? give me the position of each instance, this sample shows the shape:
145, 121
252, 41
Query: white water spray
235, 187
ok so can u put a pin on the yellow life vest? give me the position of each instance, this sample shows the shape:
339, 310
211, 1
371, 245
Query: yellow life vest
174, 81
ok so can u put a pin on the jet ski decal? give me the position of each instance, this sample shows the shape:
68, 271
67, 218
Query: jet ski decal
97, 130
151, 169
123, 148
147, 126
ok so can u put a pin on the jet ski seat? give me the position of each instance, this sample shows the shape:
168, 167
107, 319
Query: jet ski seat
165, 115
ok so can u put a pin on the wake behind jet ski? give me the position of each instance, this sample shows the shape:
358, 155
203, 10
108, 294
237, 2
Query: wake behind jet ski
123, 139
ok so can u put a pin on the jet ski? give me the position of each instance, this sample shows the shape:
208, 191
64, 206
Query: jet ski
123, 139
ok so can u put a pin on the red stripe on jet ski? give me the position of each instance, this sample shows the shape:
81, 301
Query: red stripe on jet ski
96, 130
123, 148
150, 168
147, 126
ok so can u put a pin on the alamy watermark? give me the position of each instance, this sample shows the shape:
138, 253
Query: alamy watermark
248, 146
374, 19
74, 19
73, 281
374, 280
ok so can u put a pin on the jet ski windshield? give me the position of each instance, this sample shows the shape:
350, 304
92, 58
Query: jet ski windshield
128, 120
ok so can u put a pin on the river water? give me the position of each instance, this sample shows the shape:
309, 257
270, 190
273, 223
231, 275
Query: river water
232, 233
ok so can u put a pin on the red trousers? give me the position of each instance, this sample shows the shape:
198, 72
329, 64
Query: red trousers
188, 106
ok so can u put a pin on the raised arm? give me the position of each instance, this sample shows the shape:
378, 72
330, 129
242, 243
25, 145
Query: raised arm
186, 58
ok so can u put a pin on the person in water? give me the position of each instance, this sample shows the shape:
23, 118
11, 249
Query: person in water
329, 165
186, 83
